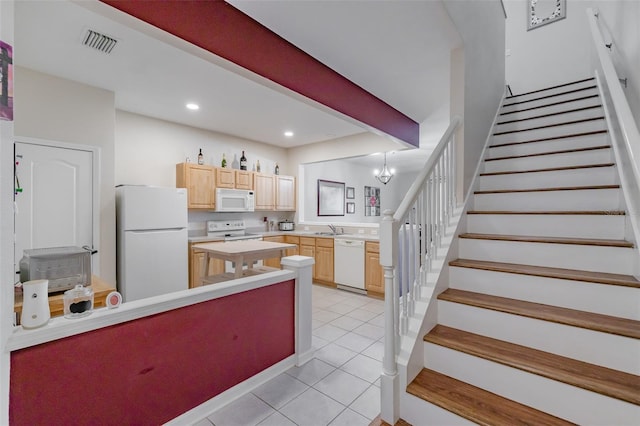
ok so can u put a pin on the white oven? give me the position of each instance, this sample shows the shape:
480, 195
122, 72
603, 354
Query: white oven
234, 200
232, 230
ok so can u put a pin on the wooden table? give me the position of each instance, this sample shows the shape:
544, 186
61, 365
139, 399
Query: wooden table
56, 303
240, 252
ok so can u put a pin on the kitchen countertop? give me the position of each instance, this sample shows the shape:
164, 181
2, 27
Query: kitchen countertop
367, 237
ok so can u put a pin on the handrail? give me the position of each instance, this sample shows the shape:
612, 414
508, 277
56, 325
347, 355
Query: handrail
624, 133
409, 241
628, 125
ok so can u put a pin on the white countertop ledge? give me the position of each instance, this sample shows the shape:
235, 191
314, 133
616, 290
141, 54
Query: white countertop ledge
60, 327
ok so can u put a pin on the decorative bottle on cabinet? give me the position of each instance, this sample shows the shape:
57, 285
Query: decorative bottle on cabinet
224, 161
277, 169
200, 157
243, 162
258, 166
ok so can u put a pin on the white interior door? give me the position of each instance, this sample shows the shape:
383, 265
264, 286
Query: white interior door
55, 207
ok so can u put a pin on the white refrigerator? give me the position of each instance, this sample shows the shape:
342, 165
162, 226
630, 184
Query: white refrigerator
152, 241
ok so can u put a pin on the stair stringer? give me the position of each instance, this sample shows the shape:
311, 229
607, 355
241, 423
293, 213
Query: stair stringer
628, 173
410, 359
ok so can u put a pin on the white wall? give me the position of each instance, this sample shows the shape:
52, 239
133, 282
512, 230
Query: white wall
7, 272
53, 108
561, 51
354, 176
481, 25
148, 149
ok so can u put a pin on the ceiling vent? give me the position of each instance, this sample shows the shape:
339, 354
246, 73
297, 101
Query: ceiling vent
98, 41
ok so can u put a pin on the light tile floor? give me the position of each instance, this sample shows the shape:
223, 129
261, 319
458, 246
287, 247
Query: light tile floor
339, 386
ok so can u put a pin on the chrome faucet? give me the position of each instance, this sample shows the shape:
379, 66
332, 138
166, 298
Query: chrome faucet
333, 228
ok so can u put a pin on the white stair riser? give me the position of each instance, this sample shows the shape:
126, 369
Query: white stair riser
547, 92
573, 177
602, 299
613, 260
576, 226
549, 132
585, 199
526, 113
510, 106
576, 142
596, 156
552, 119
417, 411
576, 404
604, 349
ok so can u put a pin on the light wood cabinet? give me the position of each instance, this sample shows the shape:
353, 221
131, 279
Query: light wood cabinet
324, 260
243, 179
308, 248
225, 178
373, 272
292, 239
273, 262
285, 193
196, 260
200, 183
264, 187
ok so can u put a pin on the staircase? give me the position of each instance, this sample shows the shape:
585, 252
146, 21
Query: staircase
541, 320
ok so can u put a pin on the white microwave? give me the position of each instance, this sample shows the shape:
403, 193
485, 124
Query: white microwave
234, 200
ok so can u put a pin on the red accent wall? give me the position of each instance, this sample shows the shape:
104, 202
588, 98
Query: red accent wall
227, 32
151, 370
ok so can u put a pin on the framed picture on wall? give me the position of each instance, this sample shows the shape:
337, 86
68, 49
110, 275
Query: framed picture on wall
351, 208
330, 198
351, 193
371, 201
543, 12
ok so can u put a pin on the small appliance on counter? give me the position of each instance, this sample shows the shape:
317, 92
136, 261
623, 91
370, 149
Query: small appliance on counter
35, 304
63, 267
286, 226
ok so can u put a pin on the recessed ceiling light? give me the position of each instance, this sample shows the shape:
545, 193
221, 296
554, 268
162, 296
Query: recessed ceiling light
288, 133
193, 106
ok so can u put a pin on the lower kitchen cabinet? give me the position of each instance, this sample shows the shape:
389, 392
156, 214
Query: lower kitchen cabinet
196, 260
373, 272
275, 261
324, 260
308, 248
292, 239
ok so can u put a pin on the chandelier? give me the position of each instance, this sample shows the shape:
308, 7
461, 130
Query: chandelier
385, 175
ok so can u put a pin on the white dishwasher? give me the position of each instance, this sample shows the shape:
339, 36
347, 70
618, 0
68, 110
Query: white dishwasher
348, 261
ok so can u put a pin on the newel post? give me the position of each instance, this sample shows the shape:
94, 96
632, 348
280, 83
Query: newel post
301, 265
389, 380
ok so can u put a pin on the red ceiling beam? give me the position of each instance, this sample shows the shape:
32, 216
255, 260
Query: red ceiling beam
228, 33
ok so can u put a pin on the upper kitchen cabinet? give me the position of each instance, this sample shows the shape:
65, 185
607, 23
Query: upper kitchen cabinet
225, 178
244, 179
285, 193
200, 183
264, 187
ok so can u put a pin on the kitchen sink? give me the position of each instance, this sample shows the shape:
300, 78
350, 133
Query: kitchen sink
332, 234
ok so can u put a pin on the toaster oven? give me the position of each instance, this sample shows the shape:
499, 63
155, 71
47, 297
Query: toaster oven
64, 267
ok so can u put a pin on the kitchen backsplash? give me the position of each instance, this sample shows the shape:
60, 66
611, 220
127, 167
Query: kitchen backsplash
254, 221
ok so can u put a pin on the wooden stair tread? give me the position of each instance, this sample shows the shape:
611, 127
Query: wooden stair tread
549, 240
566, 123
588, 320
552, 212
550, 138
605, 381
581, 89
475, 404
379, 422
550, 169
582, 98
548, 272
552, 87
558, 188
562, 151
568, 111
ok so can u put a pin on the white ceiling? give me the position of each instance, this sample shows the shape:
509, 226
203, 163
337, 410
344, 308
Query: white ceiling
397, 50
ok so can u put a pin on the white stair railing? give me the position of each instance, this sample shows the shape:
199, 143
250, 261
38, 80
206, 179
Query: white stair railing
409, 242
623, 129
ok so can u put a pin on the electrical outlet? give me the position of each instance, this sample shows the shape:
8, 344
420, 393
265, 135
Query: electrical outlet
374, 232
